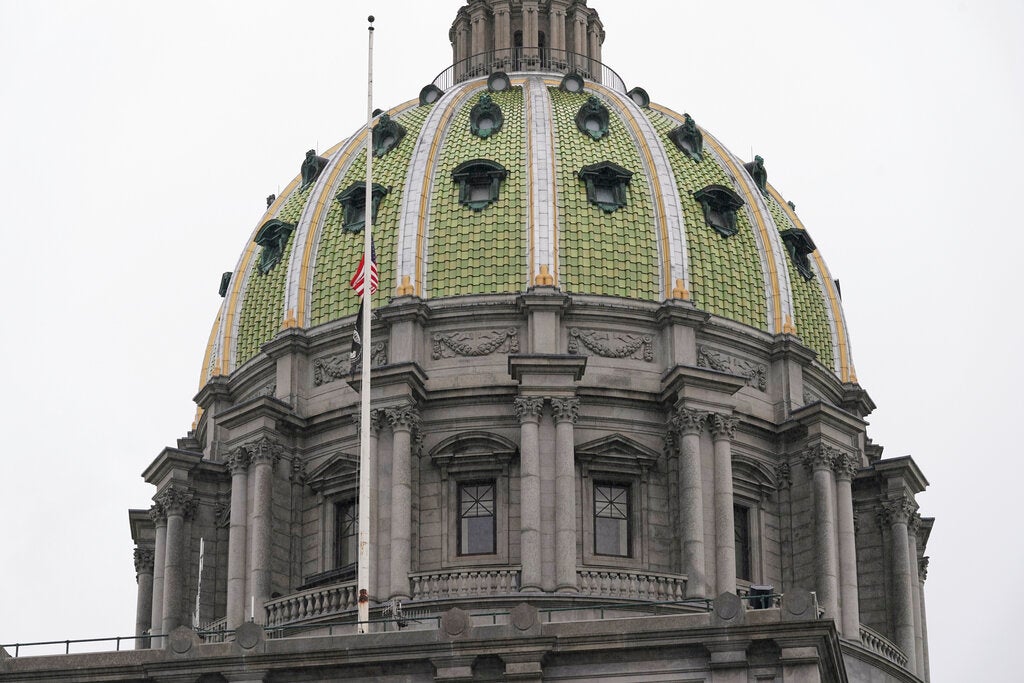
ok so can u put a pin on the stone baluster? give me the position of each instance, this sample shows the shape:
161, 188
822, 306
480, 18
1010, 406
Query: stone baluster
913, 525
178, 502
528, 410
896, 515
238, 463
159, 517
723, 428
844, 467
404, 421
688, 425
263, 455
144, 558
566, 412
819, 460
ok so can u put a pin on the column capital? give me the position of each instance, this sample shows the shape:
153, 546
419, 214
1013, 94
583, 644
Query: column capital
897, 511
177, 500
922, 568
528, 408
820, 457
378, 416
565, 409
143, 560
844, 465
783, 475
158, 514
405, 417
237, 460
264, 449
298, 472
913, 523
687, 421
722, 426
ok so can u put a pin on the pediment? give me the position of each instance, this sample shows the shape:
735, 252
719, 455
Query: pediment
474, 451
339, 472
616, 450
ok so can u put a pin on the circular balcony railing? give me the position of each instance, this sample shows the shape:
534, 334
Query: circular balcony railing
534, 59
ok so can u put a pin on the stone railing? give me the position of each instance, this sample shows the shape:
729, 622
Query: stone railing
312, 603
879, 644
457, 584
631, 585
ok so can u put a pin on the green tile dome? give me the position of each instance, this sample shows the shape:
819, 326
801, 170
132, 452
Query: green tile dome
595, 195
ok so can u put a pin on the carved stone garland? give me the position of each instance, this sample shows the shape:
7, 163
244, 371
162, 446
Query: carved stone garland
475, 343
755, 373
612, 345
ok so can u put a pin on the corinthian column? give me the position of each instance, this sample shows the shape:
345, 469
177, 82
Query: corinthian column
723, 427
178, 502
404, 421
844, 467
896, 514
263, 454
688, 425
528, 410
922, 577
566, 411
144, 601
818, 460
913, 524
159, 517
238, 463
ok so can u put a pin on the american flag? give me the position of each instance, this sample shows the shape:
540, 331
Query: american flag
358, 279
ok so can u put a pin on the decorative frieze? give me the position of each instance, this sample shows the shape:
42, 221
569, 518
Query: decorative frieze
452, 344
722, 426
528, 407
611, 344
331, 368
756, 374
565, 409
143, 560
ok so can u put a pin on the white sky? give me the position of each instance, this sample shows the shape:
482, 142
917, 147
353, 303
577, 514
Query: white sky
138, 141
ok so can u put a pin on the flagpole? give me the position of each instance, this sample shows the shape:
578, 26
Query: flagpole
366, 466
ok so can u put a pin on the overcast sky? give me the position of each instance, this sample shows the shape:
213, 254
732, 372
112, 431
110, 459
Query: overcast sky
138, 141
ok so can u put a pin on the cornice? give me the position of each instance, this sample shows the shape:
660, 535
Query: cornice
170, 461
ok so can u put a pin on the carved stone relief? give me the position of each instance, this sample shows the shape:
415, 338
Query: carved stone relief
331, 368
449, 345
755, 373
611, 344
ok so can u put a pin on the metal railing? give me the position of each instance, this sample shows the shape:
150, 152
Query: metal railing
537, 59
16, 652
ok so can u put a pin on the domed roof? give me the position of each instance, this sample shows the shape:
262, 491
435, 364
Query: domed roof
502, 182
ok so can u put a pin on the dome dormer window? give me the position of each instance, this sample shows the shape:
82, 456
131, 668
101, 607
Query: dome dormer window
606, 185
353, 202
592, 118
688, 139
479, 182
485, 118
386, 135
799, 245
273, 237
720, 205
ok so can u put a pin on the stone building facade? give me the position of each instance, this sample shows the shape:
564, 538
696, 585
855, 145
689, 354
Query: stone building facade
617, 429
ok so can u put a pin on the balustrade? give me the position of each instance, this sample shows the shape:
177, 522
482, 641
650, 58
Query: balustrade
310, 604
631, 585
456, 584
879, 644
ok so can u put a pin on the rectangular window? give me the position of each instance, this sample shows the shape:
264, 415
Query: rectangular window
611, 520
741, 523
477, 529
346, 534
